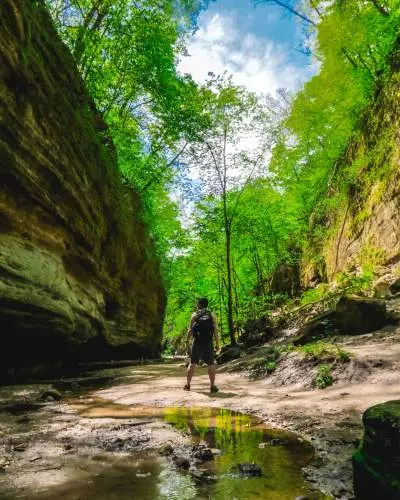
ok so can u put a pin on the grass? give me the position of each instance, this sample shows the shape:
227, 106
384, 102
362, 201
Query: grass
324, 378
270, 366
322, 350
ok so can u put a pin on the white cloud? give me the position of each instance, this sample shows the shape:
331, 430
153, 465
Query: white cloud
257, 63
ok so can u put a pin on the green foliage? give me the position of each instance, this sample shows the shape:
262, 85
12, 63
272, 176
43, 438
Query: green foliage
353, 42
324, 378
270, 366
315, 294
322, 351
253, 209
127, 54
356, 283
291, 208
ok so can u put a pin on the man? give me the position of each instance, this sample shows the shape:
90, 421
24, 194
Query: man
203, 329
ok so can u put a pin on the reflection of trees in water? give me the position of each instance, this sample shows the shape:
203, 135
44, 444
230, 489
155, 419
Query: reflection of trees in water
235, 434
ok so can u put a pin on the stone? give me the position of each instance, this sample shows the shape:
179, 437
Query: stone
250, 469
359, 315
5, 461
317, 328
20, 447
181, 462
216, 451
395, 287
285, 280
382, 288
50, 394
376, 463
202, 452
166, 450
79, 278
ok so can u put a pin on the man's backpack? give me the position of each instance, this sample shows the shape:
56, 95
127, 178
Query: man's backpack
203, 326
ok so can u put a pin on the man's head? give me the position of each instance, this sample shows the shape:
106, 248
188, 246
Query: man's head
202, 303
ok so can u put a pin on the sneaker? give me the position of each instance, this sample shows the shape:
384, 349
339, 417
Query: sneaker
214, 389
187, 387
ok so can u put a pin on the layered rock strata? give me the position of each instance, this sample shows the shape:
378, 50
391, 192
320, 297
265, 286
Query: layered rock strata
78, 276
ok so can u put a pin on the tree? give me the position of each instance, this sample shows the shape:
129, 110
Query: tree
127, 53
228, 157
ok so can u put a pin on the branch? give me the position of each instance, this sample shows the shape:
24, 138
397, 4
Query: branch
215, 163
260, 156
288, 7
166, 167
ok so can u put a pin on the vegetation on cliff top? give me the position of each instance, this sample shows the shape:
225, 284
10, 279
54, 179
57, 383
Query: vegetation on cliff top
255, 211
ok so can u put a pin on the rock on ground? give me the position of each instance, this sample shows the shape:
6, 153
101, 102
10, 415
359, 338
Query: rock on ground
376, 463
358, 315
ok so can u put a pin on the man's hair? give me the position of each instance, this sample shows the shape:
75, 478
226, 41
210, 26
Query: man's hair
202, 303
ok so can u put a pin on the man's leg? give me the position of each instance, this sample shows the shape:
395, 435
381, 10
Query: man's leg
211, 374
194, 359
209, 359
189, 374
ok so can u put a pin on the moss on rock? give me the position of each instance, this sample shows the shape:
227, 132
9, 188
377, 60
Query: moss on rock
376, 463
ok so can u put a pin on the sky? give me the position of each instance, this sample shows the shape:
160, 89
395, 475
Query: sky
257, 45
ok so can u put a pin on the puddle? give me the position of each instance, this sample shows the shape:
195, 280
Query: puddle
239, 436
147, 476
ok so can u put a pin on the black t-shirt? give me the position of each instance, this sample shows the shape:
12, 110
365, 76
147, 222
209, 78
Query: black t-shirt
203, 326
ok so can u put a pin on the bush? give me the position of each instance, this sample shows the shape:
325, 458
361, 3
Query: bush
270, 366
324, 377
315, 294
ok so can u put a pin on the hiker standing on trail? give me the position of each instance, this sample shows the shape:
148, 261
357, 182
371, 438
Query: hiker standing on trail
203, 330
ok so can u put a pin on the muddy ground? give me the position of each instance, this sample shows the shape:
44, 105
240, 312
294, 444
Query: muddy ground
45, 442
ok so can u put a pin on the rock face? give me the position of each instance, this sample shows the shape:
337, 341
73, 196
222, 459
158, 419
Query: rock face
78, 276
358, 315
376, 463
285, 280
367, 225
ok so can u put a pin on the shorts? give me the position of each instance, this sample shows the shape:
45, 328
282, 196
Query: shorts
203, 352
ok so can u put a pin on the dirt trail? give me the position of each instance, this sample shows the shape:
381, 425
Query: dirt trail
45, 444
330, 418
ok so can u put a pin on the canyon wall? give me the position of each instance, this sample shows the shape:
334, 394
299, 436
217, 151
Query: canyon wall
364, 229
78, 275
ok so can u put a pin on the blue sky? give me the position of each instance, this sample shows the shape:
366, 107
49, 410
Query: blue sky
256, 44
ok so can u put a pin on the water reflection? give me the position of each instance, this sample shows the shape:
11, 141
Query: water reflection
146, 476
239, 437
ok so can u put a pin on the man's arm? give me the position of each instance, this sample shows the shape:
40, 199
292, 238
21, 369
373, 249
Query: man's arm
216, 333
189, 334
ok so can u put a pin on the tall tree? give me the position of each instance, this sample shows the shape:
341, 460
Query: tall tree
228, 157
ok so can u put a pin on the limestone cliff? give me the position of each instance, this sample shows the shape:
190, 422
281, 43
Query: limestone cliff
365, 229
78, 277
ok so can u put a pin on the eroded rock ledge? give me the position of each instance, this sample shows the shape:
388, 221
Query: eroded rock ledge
78, 276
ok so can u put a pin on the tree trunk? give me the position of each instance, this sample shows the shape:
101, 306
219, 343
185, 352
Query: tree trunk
220, 299
231, 326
